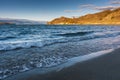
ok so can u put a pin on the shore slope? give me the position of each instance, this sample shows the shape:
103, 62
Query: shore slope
105, 67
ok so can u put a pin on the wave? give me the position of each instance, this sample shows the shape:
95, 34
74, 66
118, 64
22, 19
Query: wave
58, 62
19, 44
27, 44
6, 38
105, 34
33, 62
75, 34
45, 42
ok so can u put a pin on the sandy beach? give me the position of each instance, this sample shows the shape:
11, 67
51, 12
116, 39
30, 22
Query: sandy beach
105, 67
102, 68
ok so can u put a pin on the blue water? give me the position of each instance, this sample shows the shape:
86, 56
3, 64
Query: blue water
26, 36
25, 47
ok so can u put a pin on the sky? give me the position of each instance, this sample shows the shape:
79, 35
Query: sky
46, 10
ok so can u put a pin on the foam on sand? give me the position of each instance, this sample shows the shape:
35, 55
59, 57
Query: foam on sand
69, 63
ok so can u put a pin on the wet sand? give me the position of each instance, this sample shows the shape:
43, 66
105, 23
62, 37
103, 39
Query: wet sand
105, 67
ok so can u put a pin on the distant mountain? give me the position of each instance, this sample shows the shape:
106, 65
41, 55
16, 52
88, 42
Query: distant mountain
20, 21
104, 17
2, 23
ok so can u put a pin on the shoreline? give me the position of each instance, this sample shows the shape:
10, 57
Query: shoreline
102, 68
84, 24
59, 68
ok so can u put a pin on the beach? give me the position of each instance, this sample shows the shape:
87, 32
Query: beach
102, 67
105, 67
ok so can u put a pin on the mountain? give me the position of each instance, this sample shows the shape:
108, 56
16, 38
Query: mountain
2, 23
104, 17
20, 21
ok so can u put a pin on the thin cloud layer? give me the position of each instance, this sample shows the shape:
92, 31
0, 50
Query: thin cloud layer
106, 8
70, 11
115, 2
94, 7
111, 5
87, 6
80, 8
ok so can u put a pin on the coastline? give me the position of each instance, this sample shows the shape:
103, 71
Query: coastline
85, 24
101, 67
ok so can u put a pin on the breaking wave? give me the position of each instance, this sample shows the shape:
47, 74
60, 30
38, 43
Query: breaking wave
75, 34
40, 43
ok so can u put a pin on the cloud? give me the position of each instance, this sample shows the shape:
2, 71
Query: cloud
70, 11
87, 6
94, 7
106, 7
79, 9
111, 5
115, 2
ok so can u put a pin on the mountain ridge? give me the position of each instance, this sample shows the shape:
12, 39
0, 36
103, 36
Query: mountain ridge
104, 17
19, 21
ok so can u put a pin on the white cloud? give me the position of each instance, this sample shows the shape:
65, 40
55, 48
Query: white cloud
106, 8
111, 5
114, 2
70, 11
87, 6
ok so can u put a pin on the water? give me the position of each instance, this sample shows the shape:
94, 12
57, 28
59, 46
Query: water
14, 37
22, 46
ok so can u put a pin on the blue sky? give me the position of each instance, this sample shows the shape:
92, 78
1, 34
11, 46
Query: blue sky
45, 10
